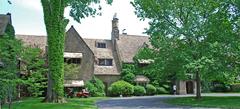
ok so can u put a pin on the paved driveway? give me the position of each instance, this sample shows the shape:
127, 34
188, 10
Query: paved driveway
148, 102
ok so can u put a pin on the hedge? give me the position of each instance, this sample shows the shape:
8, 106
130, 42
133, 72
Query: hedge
139, 91
121, 88
151, 90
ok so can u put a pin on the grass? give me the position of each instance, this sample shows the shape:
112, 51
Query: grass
73, 103
214, 102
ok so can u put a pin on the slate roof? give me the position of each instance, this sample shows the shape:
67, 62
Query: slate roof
129, 45
4, 21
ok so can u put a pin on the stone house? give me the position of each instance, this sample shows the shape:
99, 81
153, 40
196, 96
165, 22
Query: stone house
96, 57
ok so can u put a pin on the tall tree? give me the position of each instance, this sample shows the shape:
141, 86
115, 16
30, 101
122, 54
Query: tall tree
9, 52
55, 26
198, 36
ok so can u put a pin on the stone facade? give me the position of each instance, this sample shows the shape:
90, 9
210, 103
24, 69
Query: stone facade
186, 87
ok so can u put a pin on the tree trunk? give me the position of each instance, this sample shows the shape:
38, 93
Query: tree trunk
0, 103
9, 102
55, 26
198, 80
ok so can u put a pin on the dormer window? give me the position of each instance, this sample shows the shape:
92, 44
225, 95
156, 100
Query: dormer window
101, 45
105, 62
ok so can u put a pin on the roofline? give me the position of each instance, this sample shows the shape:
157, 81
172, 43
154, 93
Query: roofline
133, 35
96, 39
81, 38
30, 35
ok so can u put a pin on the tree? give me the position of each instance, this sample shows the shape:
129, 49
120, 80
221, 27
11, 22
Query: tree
199, 37
128, 73
55, 26
10, 49
33, 66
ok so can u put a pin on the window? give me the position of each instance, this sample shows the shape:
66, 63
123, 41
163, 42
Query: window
101, 45
105, 62
72, 60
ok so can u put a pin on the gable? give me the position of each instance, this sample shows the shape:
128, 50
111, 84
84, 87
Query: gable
74, 42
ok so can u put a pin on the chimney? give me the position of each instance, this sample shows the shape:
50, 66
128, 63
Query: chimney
115, 30
10, 18
124, 32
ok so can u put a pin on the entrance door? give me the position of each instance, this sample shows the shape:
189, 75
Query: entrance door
189, 87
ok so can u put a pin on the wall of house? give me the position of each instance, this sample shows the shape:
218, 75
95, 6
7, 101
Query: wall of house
75, 44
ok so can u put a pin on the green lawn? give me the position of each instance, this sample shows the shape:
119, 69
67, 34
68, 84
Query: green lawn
74, 103
218, 102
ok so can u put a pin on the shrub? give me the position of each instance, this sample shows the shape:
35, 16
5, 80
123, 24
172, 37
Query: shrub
235, 87
121, 88
129, 78
221, 88
95, 87
161, 90
151, 90
139, 91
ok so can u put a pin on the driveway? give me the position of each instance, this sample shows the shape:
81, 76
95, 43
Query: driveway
148, 102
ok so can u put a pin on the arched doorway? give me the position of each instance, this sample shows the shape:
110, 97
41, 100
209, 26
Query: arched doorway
190, 87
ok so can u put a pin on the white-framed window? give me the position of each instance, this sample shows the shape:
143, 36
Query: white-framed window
105, 62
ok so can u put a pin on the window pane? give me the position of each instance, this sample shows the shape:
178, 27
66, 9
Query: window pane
101, 45
105, 62
109, 62
101, 62
72, 60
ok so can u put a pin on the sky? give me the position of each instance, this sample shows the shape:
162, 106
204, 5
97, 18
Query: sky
27, 18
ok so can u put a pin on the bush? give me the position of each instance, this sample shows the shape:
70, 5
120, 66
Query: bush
139, 91
121, 88
151, 90
161, 90
221, 88
235, 87
95, 87
129, 78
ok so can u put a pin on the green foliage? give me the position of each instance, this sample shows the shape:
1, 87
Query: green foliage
10, 31
73, 103
161, 90
121, 88
220, 87
128, 73
198, 37
139, 91
129, 78
33, 65
213, 102
151, 90
235, 87
128, 68
10, 49
71, 70
96, 87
